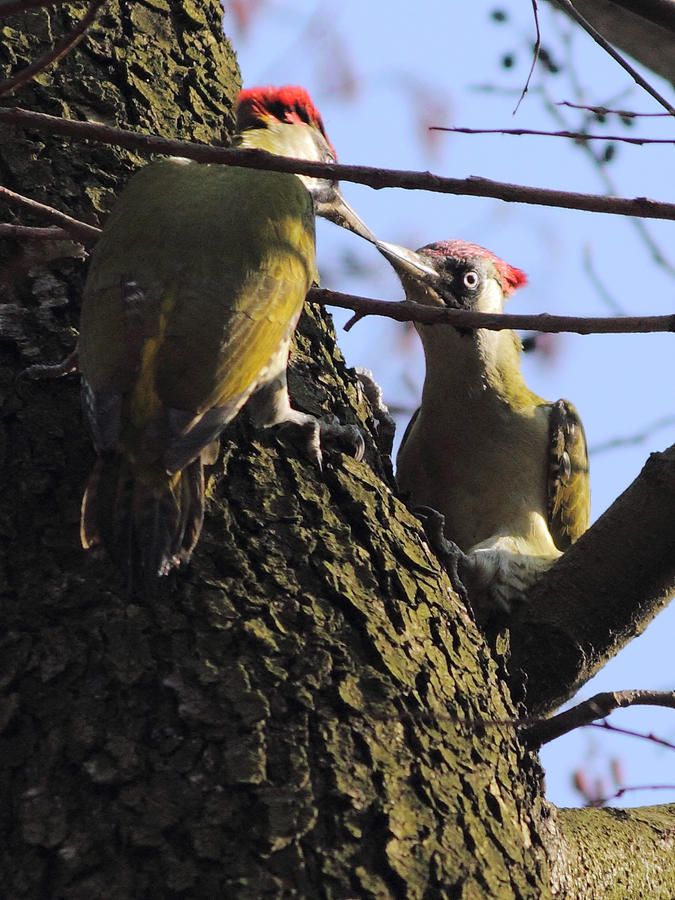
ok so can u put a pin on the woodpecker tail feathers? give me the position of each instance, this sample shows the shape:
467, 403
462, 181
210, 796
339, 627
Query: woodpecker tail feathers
148, 530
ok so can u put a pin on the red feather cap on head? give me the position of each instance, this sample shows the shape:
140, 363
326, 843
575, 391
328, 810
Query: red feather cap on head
510, 277
291, 104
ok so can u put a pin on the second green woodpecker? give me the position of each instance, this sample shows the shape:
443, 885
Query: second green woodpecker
507, 470
190, 305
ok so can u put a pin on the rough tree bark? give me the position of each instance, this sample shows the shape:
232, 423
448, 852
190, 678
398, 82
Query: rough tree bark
307, 709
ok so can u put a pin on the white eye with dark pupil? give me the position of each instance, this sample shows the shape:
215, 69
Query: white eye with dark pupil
471, 279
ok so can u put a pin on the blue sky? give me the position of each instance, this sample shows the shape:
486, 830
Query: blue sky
379, 71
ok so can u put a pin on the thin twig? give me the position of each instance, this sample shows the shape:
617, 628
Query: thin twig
473, 186
401, 311
535, 57
65, 45
605, 111
610, 189
607, 726
598, 284
85, 234
573, 13
631, 440
572, 135
598, 707
408, 311
29, 233
601, 801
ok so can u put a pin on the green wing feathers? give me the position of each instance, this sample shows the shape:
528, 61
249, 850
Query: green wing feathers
569, 495
222, 256
199, 277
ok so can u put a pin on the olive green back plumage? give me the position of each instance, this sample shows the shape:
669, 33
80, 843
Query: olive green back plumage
193, 293
223, 258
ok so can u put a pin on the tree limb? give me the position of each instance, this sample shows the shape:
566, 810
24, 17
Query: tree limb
603, 592
149, 144
409, 311
583, 865
598, 707
80, 231
27, 232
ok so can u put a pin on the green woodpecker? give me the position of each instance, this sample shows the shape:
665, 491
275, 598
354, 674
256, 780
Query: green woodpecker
193, 294
507, 470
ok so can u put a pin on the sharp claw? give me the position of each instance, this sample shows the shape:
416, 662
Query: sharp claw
360, 451
309, 428
344, 434
314, 445
433, 521
328, 428
348, 435
448, 552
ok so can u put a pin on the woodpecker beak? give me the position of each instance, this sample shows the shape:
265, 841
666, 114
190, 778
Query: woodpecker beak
337, 210
407, 262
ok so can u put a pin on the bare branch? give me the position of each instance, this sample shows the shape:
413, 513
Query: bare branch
598, 707
639, 226
80, 231
607, 47
598, 284
605, 111
373, 177
28, 233
631, 440
603, 801
408, 311
607, 726
535, 57
572, 135
72, 39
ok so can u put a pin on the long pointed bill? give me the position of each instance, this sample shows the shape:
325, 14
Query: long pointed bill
337, 210
407, 262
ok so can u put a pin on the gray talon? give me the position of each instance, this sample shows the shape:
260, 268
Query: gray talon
348, 436
455, 561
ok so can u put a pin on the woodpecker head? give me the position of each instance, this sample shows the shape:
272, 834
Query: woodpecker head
284, 121
454, 273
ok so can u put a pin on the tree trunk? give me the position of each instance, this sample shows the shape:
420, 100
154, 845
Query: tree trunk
306, 709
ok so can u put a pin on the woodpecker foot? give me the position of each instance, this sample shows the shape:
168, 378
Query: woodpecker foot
69, 365
316, 432
348, 438
454, 560
303, 430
